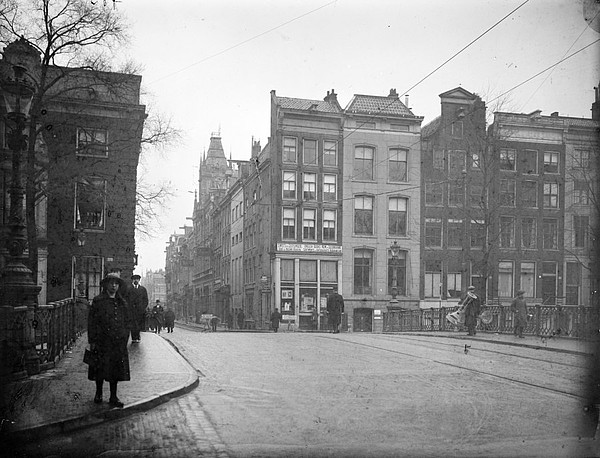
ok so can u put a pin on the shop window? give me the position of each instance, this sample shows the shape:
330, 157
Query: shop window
308, 270
287, 270
329, 272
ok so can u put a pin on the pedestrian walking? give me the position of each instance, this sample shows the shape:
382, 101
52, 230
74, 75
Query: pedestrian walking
109, 324
275, 319
157, 316
214, 321
240, 319
471, 306
169, 319
519, 308
230, 320
137, 299
335, 308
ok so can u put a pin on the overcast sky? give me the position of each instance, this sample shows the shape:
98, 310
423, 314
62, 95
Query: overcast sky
210, 66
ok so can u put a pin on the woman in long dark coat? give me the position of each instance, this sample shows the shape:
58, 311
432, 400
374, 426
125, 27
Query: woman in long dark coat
109, 323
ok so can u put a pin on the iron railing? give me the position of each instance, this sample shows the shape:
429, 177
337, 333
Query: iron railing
569, 321
50, 329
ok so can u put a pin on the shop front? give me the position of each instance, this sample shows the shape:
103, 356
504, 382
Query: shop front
303, 276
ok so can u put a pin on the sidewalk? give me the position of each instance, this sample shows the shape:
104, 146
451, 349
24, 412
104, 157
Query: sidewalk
61, 399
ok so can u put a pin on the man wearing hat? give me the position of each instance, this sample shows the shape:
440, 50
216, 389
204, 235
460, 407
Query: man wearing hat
519, 308
109, 321
471, 306
137, 298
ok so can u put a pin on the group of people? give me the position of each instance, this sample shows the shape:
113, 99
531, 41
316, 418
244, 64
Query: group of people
116, 313
470, 306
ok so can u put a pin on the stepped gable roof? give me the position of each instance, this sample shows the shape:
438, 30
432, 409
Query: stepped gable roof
432, 127
378, 105
306, 105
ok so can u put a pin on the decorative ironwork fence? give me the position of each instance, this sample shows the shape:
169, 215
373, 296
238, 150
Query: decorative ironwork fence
50, 329
571, 321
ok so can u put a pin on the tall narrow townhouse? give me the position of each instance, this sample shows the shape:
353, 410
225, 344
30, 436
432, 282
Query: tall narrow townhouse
381, 204
457, 210
304, 200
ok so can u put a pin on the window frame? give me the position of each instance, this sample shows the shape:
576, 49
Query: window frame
329, 225
327, 153
329, 196
79, 183
287, 150
431, 238
550, 163
364, 216
309, 187
367, 172
551, 199
287, 183
285, 217
362, 274
309, 231
304, 149
401, 220
395, 162
507, 159
91, 144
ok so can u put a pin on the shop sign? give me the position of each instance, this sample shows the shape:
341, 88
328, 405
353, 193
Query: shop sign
309, 248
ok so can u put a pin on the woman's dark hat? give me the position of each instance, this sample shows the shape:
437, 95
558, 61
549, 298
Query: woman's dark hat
113, 276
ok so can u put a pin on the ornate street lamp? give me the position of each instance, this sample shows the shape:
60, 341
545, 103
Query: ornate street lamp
395, 252
17, 287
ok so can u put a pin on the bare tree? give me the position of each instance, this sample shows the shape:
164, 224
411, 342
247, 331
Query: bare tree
76, 41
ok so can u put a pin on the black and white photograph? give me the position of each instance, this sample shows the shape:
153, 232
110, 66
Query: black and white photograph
299, 228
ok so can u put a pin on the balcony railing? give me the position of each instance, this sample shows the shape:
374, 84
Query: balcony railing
53, 328
544, 321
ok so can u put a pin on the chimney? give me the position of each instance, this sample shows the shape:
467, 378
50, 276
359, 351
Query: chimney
406, 100
596, 105
331, 98
393, 93
255, 148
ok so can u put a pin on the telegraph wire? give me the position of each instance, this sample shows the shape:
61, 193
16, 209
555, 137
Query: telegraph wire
237, 45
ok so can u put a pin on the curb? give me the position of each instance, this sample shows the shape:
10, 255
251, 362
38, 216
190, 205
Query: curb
86, 421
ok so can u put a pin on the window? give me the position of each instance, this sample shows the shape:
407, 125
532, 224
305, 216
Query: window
309, 217
329, 153
456, 194
87, 274
457, 129
310, 151
529, 194
90, 203
433, 232
550, 234
397, 273
92, 142
581, 193
329, 188
397, 166
399, 127
363, 162
289, 223
475, 160
478, 195
581, 159
456, 163
528, 278
329, 226
287, 270
438, 159
580, 231
363, 215
433, 193
433, 279
507, 159
551, 195
551, 162
454, 284
478, 233
397, 216
289, 149
309, 186
528, 161
573, 283
308, 270
529, 233
455, 233
363, 271
507, 192
329, 272
505, 279
289, 185
507, 232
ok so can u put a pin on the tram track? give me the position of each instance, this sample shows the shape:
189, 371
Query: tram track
554, 390
430, 344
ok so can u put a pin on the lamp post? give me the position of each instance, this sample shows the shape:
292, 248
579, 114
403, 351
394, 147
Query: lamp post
395, 252
18, 291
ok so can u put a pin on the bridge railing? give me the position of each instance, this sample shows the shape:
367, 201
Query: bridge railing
569, 321
48, 329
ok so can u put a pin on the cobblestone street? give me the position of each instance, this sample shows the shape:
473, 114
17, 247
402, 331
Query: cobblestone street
293, 394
